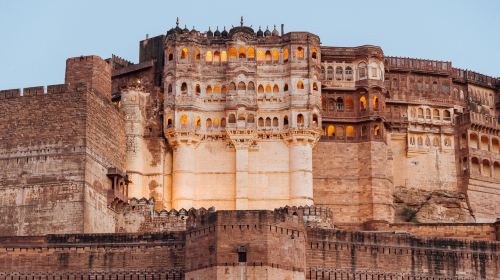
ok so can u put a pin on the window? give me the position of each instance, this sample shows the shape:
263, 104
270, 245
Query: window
208, 123
285, 88
232, 53
375, 103
170, 55
362, 103
251, 86
268, 56
276, 89
242, 53
314, 53
435, 87
223, 56
184, 88
300, 53
260, 122
339, 73
216, 57
260, 89
197, 55
223, 122
447, 115
348, 73
241, 86
251, 54
300, 120
350, 132
184, 53
349, 104
315, 121
223, 89
197, 122
197, 89
250, 118
362, 70
315, 86
486, 168
340, 104
216, 89
285, 55
208, 57
300, 85
169, 89
275, 122
436, 115
330, 131
260, 55
420, 86
420, 113
232, 118
268, 122
268, 88
285, 121
329, 73
376, 130
184, 121
276, 55
428, 114
169, 121
208, 89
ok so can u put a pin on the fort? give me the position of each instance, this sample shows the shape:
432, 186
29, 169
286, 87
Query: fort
251, 154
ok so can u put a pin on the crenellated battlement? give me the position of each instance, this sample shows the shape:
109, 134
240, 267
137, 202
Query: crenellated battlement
418, 65
463, 75
42, 90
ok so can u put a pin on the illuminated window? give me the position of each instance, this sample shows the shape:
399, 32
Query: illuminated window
242, 53
232, 53
184, 53
349, 131
184, 121
375, 103
300, 85
300, 53
268, 56
260, 89
215, 123
223, 89
208, 90
349, 104
330, 131
362, 103
197, 55
376, 130
276, 89
197, 89
216, 89
208, 57
251, 54
268, 88
260, 55
197, 122
314, 54
285, 55
223, 56
276, 55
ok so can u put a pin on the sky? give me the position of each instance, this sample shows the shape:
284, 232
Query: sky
36, 37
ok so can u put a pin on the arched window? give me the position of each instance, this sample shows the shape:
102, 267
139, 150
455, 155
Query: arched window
362, 103
435, 87
184, 121
250, 118
300, 120
232, 86
197, 89
268, 88
275, 122
330, 131
447, 115
348, 73
208, 90
241, 86
420, 113
232, 53
216, 57
350, 132
349, 104
208, 57
285, 121
276, 89
216, 89
197, 55
276, 55
169, 89
315, 86
268, 56
216, 123
436, 141
251, 86
260, 55
241, 117
339, 73
339, 132
496, 169
362, 70
486, 168
285, 88
315, 121
300, 84
184, 88
223, 89
495, 145
184, 53
197, 122
375, 103
299, 53
428, 115
260, 89
232, 118
314, 53
340, 104
169, 121
251, 54
485, 141
268, 122
285, 55
208, 123
473, 141
242, 53
436, 115
170, 55
223, 122
329, 73
223, 56
376, 130
475, 168
420, 141
260, 122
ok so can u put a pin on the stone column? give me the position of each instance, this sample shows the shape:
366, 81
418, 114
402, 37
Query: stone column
183, 181
301, 178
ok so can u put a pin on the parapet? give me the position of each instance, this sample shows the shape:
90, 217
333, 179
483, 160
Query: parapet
92, 71
418, 65
462, 75
40, 90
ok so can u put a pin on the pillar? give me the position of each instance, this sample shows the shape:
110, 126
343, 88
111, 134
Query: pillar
241, 178
183, 177
301, 177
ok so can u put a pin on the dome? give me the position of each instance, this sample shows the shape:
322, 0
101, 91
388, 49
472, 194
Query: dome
260, 33
275, 32
185, 30
224, 32
209, 33
217, 32
267, 32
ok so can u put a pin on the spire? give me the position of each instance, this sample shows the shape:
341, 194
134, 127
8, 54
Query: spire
177, 22
241, 21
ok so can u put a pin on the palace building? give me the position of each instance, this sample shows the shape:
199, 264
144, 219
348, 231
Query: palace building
252, 154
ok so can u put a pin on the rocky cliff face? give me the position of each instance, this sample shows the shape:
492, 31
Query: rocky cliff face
413, 205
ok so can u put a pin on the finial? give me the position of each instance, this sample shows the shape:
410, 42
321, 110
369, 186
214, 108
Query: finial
241, 21
177, 22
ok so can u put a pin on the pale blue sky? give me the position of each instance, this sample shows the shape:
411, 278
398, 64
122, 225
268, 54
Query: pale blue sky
37, 36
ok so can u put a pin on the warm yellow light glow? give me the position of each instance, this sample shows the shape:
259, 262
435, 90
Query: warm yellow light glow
208, 56
251, 53
260, 55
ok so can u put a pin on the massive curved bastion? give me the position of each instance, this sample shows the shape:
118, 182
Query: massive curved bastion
389, 167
